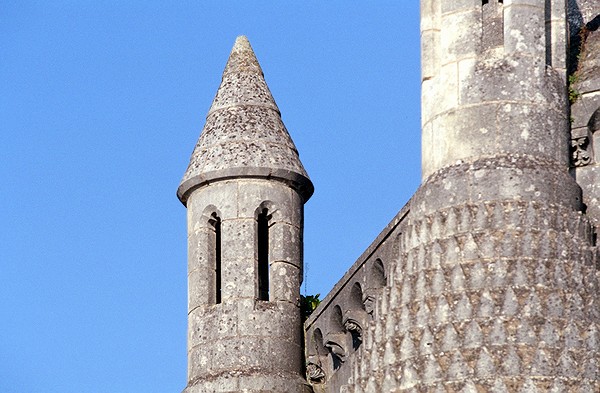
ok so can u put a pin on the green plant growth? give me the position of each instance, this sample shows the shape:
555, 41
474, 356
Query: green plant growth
308, 304
574, 94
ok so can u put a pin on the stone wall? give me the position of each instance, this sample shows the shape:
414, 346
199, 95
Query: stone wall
490, 67
238, 340
585, 108
341, 333
496, 297
491, 270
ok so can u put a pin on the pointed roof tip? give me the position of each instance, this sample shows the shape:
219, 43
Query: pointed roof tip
242, 58
244, 136
241, 42
243, 81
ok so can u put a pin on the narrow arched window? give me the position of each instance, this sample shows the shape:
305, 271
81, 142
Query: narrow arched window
215, 222
263, 254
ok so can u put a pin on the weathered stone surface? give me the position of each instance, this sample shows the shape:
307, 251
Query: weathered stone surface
486, 281
585, 116
244, 135
479, 312
244, 191
490, 271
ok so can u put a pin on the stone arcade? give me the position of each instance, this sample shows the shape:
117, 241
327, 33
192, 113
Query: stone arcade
485, 281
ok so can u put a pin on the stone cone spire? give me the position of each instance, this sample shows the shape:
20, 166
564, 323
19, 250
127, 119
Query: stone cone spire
244, 135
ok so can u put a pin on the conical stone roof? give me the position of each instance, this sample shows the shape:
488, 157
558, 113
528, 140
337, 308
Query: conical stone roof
244, 135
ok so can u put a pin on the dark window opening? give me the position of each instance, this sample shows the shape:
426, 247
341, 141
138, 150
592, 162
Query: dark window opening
356, 339
263, 255
216, 224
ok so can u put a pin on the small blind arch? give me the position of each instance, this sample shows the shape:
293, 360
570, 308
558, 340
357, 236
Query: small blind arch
356, 297
376, 277
336, 320
318, 348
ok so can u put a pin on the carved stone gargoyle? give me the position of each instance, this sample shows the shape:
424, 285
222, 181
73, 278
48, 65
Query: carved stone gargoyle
354, 323
314, 373
369, 303
353, 327
580, 155
336, 344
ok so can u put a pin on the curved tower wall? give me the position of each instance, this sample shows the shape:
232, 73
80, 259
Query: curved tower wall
496, 240
244, 190
493, 82
491, 268
243, 342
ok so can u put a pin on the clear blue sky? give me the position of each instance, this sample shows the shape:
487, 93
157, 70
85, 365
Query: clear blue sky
101, 105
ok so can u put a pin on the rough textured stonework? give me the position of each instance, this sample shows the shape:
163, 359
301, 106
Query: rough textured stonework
490, 297
244, 191
585, 110
487, 280
244, 134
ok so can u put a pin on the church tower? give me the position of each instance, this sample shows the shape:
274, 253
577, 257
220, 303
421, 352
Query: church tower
244, 190
487, 279
498, 227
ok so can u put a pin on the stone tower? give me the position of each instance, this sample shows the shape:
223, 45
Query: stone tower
494, 83
244, 190
498, 203
487, 280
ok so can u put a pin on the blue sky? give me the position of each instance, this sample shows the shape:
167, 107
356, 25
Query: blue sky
101, 105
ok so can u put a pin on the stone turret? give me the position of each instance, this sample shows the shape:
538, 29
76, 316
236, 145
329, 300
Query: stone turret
496, 233
244, 190
494, 83
487, 280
